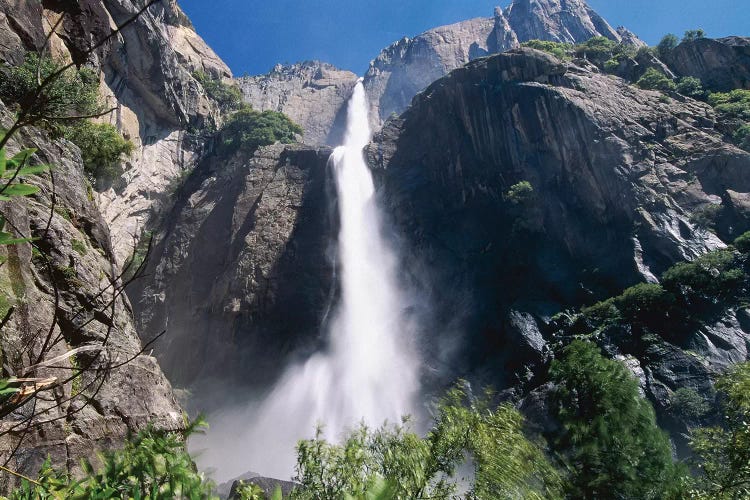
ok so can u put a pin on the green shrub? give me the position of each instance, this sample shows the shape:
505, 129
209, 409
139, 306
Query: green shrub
79, 246
691, 87
228, 97
734, 104
608, 437
611, 65
248, 129
706, 216
644, 302
653, 79
506, 464
563, 51
723, 452
74, 93
667, 45
102, 148
153, 465
520, 193
597, 49
742, 137
715, 276
691, 35
687, 404
742, 243
602, 312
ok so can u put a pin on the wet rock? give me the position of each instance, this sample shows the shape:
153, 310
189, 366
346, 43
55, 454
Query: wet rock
268, 485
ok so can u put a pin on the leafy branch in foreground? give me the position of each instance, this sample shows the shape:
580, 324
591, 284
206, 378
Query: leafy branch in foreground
153, 465
506, 464
609, 442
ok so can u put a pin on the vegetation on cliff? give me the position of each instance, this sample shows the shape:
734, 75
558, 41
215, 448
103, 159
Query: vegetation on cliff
65, 107
248, 129
228, 97
609, 440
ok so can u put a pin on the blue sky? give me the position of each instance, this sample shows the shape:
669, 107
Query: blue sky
253, 35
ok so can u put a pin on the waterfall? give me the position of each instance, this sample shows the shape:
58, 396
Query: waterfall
369, 371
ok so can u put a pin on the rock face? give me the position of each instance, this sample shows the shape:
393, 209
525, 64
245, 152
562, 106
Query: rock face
74, 287
146, 75
568, 21
410, 65
312, 94
722, 64
241, 267
616, 176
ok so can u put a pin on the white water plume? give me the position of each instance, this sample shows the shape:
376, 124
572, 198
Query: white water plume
369, 371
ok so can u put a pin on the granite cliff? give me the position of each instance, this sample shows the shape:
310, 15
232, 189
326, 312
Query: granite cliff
241, 270
526, 186
65, 290
146, 74
313, 94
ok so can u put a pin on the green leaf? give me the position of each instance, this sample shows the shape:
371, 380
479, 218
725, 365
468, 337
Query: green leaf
24, 171
22, 156
7, 239
277, 495
3, 162
19, 190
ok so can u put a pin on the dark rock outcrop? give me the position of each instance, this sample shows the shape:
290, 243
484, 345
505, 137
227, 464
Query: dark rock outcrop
722, 64
241, 268
268, 485
616, 173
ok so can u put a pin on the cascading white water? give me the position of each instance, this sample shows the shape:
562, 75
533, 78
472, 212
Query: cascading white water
369, 372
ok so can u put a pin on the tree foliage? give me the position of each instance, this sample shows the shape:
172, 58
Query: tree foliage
506, 463
691, 87
248, 129
723, 452
609, 441
692, 35
667, 44
153, 465
734, 104
653, 79
687, 404
73, 93
563, 51
520, 193
228, 97
102, 148
734, 109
